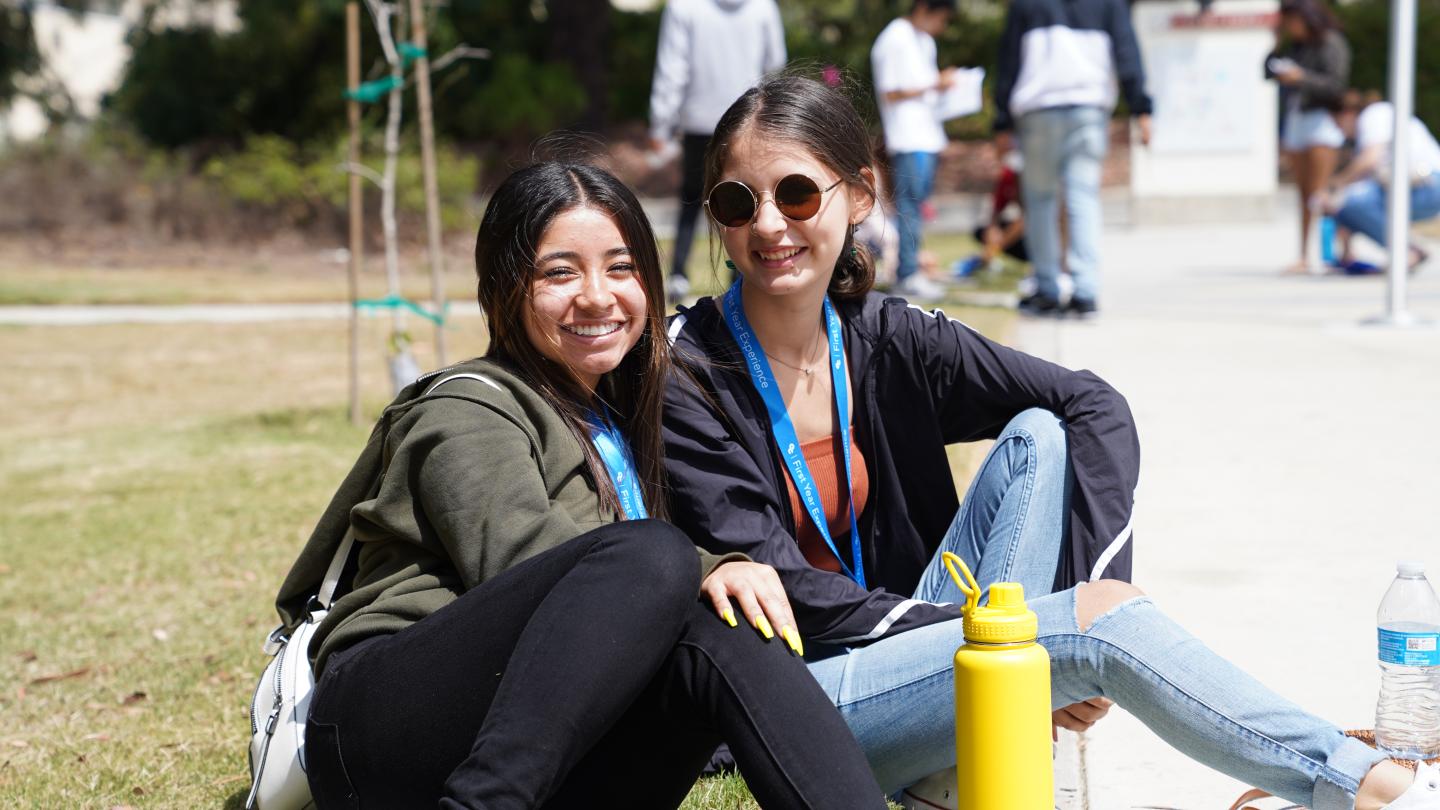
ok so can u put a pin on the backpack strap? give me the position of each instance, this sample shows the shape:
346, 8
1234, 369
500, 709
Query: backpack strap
299, 594
464, 375
326, 595
332, 574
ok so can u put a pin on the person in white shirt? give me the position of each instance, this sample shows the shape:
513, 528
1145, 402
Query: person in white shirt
908, 82
710, 52
1360, 205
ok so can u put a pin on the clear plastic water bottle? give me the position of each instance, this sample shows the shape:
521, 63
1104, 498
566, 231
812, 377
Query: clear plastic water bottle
1407, 716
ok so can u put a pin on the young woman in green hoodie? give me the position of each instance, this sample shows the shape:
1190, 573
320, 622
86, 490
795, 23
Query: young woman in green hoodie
523, 629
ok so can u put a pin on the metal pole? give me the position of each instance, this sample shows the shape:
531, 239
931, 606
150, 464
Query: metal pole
427, 161
1402, 98
357, 200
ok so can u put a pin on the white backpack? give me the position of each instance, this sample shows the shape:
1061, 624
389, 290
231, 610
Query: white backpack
281, 705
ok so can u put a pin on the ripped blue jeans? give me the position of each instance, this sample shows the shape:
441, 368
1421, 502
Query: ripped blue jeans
897, 695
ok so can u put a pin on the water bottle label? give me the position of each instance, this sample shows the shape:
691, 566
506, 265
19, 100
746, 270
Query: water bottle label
1410, 649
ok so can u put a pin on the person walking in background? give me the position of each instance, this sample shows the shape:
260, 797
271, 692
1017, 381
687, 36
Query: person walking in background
1059, 63
710, 52
1359, 201
1312, 65
908, 81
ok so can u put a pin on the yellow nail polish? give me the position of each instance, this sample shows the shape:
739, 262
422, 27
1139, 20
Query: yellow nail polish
729, 616
793, 639
763, 625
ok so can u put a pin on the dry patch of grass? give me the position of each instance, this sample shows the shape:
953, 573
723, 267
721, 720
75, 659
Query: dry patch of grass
60, 381
192, 275
41, 284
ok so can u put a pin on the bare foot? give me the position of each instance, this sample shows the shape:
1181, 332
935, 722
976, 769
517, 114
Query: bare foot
1300, 268
1382, 785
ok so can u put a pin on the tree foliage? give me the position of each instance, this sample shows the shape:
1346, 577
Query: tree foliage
556, 64
18, 54
560, 64
281, 74
1366, 25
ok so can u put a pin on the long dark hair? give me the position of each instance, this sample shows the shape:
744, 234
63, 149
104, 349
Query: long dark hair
510, 232
795, 109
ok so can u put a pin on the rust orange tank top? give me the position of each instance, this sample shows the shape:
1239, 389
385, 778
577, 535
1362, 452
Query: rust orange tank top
827, 468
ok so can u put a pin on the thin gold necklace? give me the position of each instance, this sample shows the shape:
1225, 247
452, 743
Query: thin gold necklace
807, 369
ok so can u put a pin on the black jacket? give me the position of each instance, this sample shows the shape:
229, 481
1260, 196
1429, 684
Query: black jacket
1326, 63
921, 381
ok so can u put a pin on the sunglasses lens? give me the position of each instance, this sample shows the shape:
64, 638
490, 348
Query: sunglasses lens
731, 204
797, 197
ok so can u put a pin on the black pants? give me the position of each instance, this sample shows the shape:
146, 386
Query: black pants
692, 197
587, 676
1016, 250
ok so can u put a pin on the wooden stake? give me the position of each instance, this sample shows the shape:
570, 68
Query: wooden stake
427, 160
357, 200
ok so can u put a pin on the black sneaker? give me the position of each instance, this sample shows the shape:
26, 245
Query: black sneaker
1039, 304
1082, 308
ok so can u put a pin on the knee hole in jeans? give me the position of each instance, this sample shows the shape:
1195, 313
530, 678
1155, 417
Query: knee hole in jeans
1095, 599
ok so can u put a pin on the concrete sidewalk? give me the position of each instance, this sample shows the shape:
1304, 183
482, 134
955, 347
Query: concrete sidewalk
1291, 456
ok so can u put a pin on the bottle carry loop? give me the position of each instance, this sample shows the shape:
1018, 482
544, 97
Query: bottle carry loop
971, 590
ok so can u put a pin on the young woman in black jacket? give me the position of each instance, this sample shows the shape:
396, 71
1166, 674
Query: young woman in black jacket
811, 435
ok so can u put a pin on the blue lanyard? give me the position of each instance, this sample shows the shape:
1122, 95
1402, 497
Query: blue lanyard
784, 431
615, 452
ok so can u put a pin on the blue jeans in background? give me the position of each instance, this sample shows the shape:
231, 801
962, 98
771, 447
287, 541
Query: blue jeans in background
914, 175
1063, 148
897, 695
1364, 209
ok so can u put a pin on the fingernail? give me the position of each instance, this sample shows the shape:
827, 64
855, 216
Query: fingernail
729, 617
763, 625
793, 639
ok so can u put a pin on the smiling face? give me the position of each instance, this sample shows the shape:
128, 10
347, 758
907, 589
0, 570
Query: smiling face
774, 254
587, 303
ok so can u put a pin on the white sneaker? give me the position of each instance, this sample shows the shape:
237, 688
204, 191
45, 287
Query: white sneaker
1027, 286
919, 288
1423, 793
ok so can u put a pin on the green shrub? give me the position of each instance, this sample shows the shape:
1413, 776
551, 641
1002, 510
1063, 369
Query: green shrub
113, 178
300, 187
1367, 26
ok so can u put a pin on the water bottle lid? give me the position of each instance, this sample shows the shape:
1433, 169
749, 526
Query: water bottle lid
1006, 620
1410, 568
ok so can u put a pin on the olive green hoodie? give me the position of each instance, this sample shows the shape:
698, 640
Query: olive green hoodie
478, 475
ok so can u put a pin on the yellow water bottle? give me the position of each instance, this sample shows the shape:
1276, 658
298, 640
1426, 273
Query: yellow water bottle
1003, 755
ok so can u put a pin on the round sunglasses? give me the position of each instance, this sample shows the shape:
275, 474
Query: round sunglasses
732, 203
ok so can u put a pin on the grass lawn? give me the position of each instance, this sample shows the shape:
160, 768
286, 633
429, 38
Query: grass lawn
160, 480
231, 275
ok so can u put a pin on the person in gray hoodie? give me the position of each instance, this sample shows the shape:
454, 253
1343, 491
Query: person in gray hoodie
710, 52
